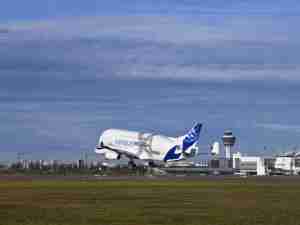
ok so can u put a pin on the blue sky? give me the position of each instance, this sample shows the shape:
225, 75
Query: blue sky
34, 9
69, 69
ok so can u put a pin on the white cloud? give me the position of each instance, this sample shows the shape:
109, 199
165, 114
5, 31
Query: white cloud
157, 47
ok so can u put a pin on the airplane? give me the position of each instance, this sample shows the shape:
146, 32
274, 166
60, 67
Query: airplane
149, 147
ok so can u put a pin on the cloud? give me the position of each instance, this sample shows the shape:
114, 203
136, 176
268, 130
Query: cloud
4, 30
154, 47
44, 108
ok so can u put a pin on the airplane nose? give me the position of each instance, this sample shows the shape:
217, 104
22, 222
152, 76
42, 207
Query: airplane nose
99, 146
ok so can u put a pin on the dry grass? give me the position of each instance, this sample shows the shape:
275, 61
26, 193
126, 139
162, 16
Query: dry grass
149, 202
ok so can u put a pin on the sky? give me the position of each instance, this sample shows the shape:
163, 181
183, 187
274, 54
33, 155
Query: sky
70, 69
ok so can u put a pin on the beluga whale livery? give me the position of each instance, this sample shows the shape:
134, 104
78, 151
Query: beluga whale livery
150, 147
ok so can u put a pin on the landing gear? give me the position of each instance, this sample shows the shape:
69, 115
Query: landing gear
131, 164
151, 164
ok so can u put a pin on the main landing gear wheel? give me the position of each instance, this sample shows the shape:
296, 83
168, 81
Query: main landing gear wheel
151, 164
131, 164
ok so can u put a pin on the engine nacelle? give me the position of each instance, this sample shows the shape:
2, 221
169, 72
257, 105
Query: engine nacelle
108, 154
111, 154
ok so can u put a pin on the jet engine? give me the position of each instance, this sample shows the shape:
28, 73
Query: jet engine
111, 154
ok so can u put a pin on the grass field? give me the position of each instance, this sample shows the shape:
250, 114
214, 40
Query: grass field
174, 202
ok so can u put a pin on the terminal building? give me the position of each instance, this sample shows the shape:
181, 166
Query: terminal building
287, 164
249, 164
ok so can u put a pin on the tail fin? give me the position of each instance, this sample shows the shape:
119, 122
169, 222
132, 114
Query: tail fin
215, 148
191, 137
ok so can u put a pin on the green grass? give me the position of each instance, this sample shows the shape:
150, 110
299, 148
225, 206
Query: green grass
232, 202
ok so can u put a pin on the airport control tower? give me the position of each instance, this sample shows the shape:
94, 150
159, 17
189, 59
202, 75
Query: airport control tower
228, 141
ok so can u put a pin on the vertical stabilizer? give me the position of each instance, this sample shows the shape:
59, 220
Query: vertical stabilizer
215, 149
191, 137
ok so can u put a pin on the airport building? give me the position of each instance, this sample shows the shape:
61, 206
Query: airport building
248, 164
287, 164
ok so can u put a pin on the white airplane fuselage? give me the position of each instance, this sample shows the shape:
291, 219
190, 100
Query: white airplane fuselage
147, 146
